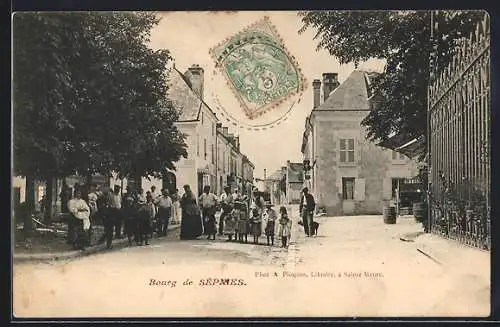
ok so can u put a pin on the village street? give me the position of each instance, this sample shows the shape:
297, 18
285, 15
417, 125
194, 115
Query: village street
356, 266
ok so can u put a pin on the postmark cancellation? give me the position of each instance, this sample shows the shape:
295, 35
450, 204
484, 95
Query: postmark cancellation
258, 68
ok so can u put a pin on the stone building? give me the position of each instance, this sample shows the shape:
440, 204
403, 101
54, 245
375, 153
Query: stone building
214, 156
247, 169
198, 122
350, 174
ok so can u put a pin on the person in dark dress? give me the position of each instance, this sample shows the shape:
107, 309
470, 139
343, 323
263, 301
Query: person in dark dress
191, 225
106, 215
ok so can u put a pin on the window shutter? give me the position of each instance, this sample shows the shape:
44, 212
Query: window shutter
359, 189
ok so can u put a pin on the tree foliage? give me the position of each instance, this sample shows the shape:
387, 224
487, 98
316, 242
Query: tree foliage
90, 96
403, 39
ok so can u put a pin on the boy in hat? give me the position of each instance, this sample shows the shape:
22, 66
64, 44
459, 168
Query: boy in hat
271, 217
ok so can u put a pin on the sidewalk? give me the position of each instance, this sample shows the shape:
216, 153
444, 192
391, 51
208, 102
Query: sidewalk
455, 255
53, 256
449, 253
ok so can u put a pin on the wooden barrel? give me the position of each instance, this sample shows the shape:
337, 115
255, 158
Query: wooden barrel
419, 211
389, 214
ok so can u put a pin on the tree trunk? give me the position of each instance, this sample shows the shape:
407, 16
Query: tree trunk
30, 205
49, 198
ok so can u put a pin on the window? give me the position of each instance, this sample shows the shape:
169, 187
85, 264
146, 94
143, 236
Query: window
197, 145
347, 150
202, 118
213, 161
397, 156
205, 148
348, 188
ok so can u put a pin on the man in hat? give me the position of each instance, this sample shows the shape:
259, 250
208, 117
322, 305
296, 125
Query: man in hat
116, 207
306, 208
208, 202
164, 205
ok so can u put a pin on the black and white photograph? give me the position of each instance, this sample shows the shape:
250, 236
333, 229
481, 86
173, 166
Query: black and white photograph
228, 164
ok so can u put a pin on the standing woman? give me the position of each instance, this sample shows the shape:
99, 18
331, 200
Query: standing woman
80, 212
191, 226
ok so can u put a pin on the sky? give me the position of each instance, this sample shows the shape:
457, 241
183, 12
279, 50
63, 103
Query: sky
190, 35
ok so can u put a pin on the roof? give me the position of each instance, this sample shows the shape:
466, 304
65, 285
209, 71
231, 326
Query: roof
183, 96
352, 94
295, 172
410, 147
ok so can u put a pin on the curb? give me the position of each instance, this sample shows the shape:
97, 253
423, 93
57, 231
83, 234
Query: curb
41, 257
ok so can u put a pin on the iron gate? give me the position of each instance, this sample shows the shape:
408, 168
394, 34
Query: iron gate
459, 117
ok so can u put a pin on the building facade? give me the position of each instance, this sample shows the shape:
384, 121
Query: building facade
247, 170
350, 175
214, 156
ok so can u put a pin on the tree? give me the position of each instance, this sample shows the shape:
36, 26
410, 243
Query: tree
90, 96
403, 39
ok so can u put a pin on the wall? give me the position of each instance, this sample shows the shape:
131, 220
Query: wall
223, 162
206, 132
186, 167
294, 192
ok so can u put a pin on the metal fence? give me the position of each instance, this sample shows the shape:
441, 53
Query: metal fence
459, 117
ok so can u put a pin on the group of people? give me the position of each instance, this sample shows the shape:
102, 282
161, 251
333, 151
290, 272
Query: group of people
241, 216
142, 215
138, 214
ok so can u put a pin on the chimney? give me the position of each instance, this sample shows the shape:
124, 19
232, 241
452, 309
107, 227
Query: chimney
224, 131
195, 74
330, 83
316, 93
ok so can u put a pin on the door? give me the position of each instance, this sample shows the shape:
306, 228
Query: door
348, 184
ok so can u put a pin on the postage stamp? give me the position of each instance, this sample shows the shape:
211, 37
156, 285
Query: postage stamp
258, 68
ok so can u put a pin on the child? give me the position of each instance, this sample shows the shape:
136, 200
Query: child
243, 227
285, 227
270, 223
256, 225
230, 223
